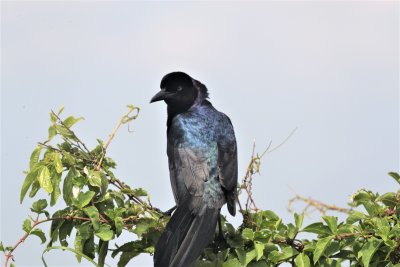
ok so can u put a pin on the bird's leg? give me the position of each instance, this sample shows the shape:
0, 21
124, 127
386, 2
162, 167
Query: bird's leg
169, 212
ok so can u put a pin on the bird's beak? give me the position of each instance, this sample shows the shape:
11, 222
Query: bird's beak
162, 95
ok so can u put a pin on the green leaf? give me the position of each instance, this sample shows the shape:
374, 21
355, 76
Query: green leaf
56, 179
139, 192
44, 179
1, 246
321, 246
382, 228
119, 224
53, 117
248, 233
331, 221
52, 132
298, 218
34, 157
83, 199
68, 184
302, 260
270, 215
39, 205
30, 178
259, 248
27, 225
103, 249
71, 120
317, 228
105, 233
93, 177
232, 263
65, 231
355, 216
389, 199
65, 132
287, 253
241, 255
39, 233
395, 176
57, 162
93, 214
35, 188
369, 249
60, 110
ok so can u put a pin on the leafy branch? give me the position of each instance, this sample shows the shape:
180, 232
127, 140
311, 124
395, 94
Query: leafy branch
101, 207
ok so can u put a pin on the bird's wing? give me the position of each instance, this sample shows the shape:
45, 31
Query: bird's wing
228, 164
188, 171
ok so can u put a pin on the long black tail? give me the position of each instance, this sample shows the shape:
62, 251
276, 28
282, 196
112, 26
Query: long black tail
185, 237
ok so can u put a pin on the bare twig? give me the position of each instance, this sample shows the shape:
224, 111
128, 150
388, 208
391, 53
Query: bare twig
316, 204
125, 119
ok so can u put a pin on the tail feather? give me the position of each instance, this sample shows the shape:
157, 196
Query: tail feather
185, 237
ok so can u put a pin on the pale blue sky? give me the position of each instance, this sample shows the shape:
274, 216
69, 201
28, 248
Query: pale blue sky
329, 68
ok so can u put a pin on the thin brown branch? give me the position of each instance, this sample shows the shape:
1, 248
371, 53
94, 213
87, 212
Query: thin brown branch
125, 119
318, 205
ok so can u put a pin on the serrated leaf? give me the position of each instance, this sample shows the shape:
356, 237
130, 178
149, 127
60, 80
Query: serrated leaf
34, 159
44, 179
93, 214
302, 260
27, 225
39, 233
321, 246
331, 221
395, 176
30, 178
298, 219
83, 199
105, 233
71, 120
369, 249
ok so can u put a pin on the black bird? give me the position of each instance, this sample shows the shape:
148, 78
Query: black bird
202, 156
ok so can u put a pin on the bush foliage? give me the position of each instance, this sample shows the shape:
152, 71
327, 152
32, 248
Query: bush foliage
99, 208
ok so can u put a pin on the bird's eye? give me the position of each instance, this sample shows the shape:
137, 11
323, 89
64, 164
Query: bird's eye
179, 89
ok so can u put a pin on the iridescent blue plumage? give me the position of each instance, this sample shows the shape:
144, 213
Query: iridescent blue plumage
202, 157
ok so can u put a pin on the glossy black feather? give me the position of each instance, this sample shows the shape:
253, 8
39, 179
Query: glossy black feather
202, 155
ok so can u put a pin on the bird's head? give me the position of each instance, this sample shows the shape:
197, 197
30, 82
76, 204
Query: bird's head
177, 90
